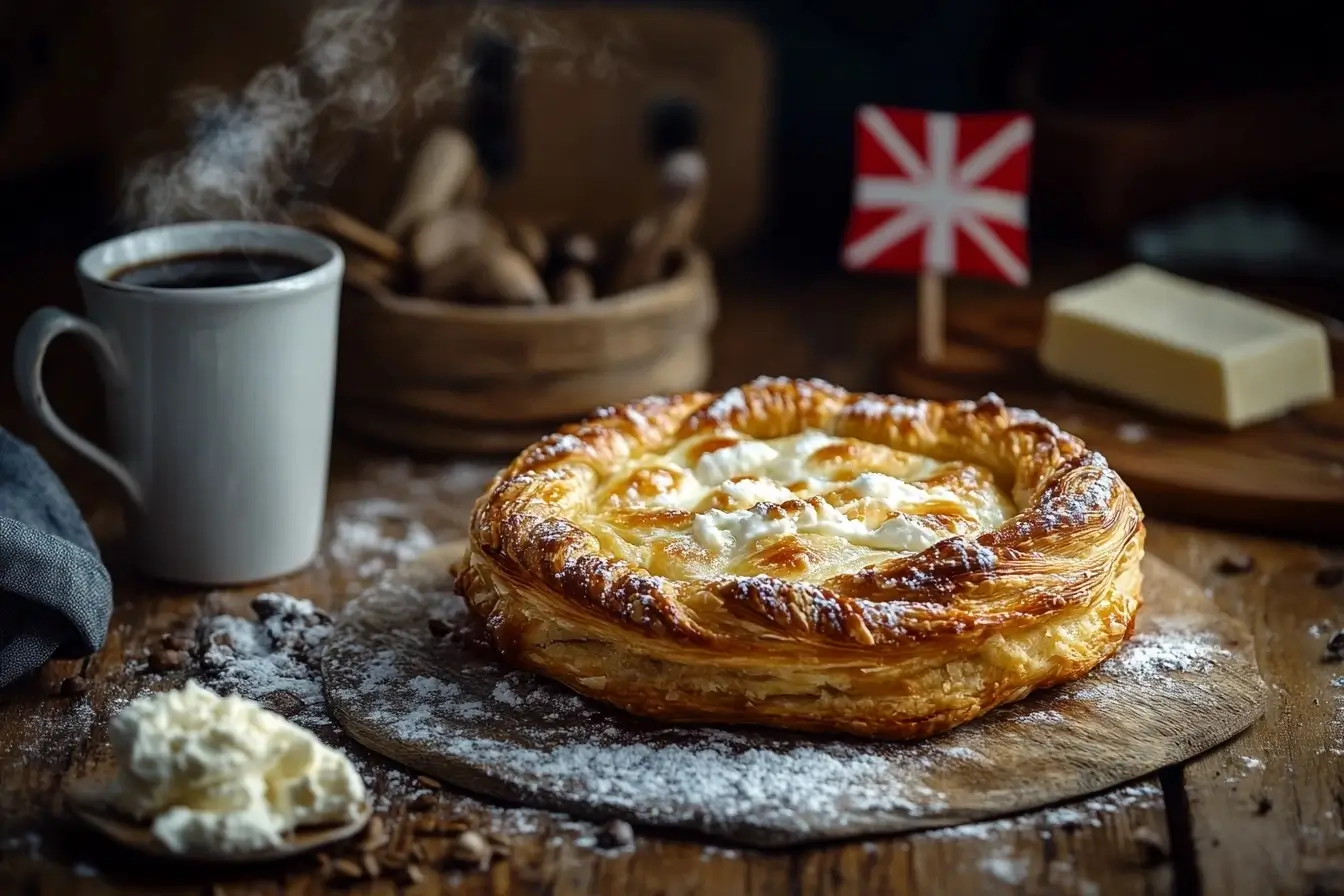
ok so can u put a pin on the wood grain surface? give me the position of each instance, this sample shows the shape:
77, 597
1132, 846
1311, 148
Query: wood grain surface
1285, 476
1199, 828
448, 707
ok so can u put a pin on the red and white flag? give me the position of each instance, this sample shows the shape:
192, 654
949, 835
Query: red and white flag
941, 192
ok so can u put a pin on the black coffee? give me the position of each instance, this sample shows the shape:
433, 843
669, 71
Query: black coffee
208, 270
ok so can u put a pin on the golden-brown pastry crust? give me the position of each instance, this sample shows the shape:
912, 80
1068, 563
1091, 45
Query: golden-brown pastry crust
794, 555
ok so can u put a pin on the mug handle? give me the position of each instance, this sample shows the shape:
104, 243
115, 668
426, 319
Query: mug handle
37, 333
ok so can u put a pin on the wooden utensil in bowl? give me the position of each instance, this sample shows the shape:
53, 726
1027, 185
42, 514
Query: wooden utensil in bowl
443, 376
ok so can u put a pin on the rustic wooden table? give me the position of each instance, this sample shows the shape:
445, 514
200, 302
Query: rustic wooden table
1261, 814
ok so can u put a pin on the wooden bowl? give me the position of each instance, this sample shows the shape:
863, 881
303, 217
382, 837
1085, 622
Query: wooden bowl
437, 376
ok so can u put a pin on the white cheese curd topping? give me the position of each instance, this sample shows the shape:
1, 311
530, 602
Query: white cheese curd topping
717, 530
748, 492
842, 500
753, 473
784, 461
225, 774
890, 490
736, 460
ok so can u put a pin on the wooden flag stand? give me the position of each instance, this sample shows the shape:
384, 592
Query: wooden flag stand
925, 183
932, 317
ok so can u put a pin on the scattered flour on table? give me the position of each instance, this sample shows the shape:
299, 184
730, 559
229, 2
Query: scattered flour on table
1335, 741
804, 781
71, 725
392, 786
731, 775
1153, 657
273, 659
371, 533
563, 745
506, 695
1158, 654
1041, 716
370, 536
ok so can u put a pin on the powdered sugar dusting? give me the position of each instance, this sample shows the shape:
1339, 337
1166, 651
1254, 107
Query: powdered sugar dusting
529, 739
72, 726
1336, 724
713, 775
504, 694
399, 511
546, 743
972, 554
273, 659
1158, 654
726, 406
549, 742
1076, 506
370, 536
876, 407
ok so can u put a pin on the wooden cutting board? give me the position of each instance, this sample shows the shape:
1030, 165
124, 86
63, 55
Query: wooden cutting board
446, 707
1284, 477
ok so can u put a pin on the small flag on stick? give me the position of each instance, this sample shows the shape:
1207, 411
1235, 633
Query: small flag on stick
937, 194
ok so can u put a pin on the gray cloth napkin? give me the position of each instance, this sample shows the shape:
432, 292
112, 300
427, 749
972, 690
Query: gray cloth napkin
55, 593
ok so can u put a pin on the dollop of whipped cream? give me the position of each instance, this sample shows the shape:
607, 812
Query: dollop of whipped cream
225, 774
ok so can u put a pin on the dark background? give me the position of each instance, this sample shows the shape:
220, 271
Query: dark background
1143, 108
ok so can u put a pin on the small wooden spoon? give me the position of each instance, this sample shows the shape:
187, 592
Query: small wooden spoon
88, 801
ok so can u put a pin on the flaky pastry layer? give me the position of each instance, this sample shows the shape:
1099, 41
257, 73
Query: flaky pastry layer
794, 555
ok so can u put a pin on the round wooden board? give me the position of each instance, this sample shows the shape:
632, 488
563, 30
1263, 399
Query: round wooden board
448, 708
1284, 477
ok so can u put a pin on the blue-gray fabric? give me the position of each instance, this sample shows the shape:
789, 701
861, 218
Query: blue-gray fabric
55, 593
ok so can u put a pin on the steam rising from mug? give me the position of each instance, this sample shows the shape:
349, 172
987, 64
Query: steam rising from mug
250, 151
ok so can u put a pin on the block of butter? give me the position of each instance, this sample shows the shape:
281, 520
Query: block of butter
1184, 348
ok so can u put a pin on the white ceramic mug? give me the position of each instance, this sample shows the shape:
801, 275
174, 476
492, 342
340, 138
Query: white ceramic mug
219, 398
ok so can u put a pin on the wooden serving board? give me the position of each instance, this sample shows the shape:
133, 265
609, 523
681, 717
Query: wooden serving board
447, 707
1284, 477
